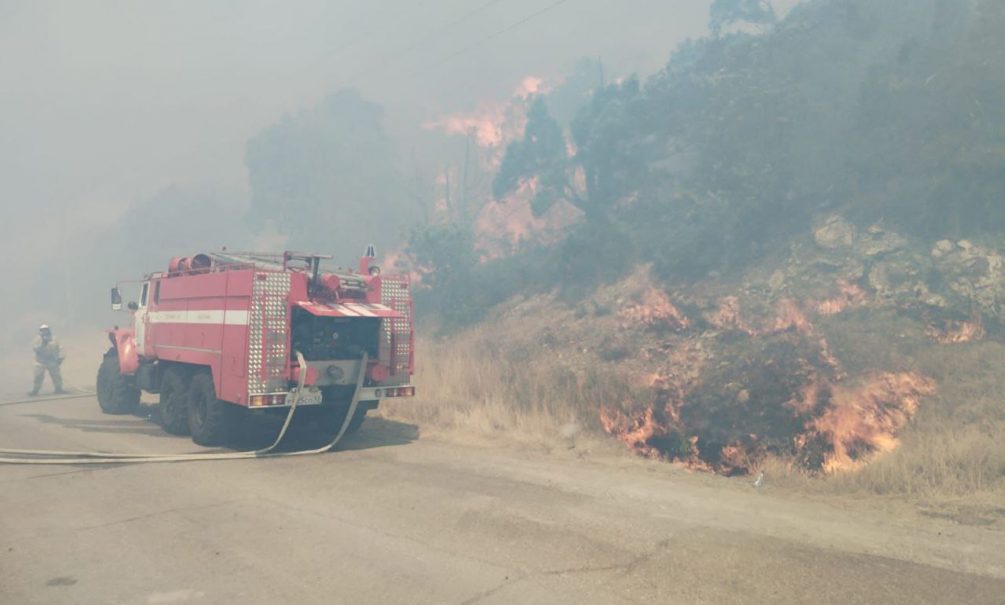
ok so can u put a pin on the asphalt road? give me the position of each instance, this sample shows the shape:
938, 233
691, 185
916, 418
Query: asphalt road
393, 518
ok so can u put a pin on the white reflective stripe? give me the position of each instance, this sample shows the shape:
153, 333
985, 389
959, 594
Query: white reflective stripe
344, 310
359, 309
195, 349
236, 318
204, 316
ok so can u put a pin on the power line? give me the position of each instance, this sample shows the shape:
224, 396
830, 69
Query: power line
436, 31
425, 38
429, 35
494, 35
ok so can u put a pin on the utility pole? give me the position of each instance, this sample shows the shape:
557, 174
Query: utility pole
464, 177
67, 283
446, 191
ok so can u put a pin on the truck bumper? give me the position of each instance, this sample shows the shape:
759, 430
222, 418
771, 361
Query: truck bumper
312, 396
378, 393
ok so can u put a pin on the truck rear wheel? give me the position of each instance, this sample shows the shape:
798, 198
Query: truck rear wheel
173, 412
209, 419
331, 417
357, 419
117, 394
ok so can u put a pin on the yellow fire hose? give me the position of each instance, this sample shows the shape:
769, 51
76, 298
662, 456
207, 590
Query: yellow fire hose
17, 456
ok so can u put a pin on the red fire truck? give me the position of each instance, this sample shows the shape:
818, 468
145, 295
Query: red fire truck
218, 335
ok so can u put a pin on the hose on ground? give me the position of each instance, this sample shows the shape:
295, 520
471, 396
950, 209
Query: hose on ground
80, 395
56, 457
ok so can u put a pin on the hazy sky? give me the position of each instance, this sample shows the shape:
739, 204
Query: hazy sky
105, 103
102, 103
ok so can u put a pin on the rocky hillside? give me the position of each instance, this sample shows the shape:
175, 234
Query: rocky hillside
854, 346
786, 246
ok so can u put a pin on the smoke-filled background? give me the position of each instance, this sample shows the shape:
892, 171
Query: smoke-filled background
723, 233
133, 133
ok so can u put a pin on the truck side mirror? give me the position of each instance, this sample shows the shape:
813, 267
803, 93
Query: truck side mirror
116, 300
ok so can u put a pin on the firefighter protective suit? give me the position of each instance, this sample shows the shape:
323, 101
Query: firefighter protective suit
48, 357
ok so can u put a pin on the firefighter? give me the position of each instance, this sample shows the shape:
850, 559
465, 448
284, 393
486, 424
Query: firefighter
48, 357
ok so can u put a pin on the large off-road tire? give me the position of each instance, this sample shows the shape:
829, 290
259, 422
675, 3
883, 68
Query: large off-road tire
117, 394
210, 420
172, 412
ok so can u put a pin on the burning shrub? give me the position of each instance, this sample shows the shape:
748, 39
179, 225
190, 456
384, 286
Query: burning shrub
775, 391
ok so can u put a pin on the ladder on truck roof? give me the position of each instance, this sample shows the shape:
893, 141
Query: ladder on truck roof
268, 260
281, 262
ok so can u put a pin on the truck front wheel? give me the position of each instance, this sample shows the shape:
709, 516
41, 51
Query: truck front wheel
117, 394
173, 412
209, 419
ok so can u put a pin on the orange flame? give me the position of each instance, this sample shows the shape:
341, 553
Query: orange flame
851, 296
791, 317
842, 426
656, 311
501, 227
493, 125
862, 422
727, 316
958, 332
856, 425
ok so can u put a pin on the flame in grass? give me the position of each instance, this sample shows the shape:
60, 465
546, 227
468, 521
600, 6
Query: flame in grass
824, 423
657, 431
851, 296
790, 317
727, 316
863, 421
856, 424
958, 332
654, 310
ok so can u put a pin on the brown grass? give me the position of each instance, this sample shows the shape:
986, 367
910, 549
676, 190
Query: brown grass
474, 389
956, 445
477, 386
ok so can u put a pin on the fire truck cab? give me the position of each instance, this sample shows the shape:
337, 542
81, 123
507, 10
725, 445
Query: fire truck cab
217, 334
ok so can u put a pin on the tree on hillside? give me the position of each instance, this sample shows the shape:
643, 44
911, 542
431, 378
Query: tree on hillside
725, 13
870, 108
880, 110
542, 155
931, 123
327, 178
610, 146
575, 90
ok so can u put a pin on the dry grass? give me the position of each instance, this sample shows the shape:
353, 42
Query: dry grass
952, 455
473, 388
947, 463
956, 445
481, 385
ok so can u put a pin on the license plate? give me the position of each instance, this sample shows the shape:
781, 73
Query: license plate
307, 397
